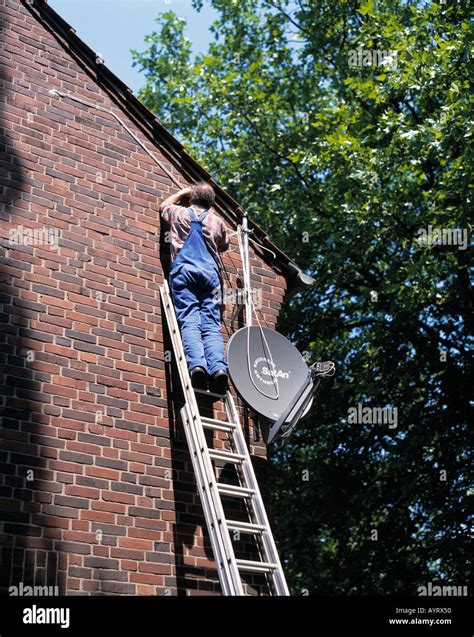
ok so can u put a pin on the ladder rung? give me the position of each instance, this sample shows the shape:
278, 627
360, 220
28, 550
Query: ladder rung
231, 570
226, 456
219, 425
256, 567
230, 489
206, 392
245, 527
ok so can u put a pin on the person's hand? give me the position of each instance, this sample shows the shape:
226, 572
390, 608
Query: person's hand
185, 192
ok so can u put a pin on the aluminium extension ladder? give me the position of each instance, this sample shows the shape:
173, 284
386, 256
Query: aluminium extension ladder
210, 490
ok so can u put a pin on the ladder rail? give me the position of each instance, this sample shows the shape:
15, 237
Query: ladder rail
212, 505
212, 520
268, 542
229, 568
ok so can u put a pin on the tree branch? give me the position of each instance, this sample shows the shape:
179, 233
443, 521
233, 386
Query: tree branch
288, 17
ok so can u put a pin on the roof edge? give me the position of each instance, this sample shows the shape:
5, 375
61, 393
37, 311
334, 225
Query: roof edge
154, 130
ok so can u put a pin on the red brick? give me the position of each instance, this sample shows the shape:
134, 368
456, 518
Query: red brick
93, 355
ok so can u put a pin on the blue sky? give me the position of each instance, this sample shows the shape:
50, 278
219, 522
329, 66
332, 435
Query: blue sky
113, 27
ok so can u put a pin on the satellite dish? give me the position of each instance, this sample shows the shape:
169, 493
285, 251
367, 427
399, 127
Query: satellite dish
266, 370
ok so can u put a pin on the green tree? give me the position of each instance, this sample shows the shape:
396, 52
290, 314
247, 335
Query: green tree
345, 163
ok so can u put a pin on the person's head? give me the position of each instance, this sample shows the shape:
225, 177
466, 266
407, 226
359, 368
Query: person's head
202, 194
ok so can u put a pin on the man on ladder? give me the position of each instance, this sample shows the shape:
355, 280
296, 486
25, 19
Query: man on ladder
191, 307
197, 235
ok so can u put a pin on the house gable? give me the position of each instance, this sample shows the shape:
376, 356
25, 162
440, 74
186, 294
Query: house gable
96, 466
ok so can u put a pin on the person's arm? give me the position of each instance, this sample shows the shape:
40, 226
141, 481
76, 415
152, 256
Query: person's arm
184, 193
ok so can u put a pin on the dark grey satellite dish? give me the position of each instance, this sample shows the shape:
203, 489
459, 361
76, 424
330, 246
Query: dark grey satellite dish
270, 375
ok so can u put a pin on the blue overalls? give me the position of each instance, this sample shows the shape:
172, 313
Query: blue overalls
195, 286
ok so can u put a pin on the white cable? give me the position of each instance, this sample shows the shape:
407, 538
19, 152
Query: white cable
270, 362
107, 110
57, 93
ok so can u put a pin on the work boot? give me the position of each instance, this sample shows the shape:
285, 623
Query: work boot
198, 377
218, 382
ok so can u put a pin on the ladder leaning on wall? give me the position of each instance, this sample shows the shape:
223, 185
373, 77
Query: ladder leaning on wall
229, 568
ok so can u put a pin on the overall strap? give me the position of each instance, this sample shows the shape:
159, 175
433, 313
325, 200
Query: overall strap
193, 217
203, 215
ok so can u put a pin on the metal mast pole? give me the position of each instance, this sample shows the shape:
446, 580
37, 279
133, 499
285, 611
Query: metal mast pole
246, 270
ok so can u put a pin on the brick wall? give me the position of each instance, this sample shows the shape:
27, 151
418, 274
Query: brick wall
97, 489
